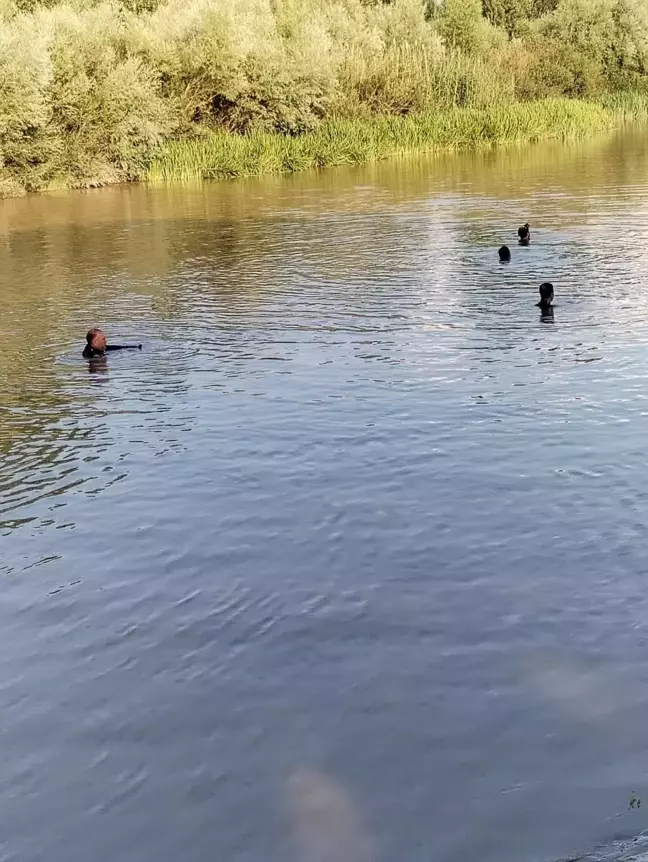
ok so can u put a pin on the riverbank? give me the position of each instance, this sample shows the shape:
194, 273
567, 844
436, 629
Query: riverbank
214, 154
111, 91
218, 155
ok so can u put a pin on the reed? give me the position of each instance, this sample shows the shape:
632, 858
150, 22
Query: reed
99, 91
357, 141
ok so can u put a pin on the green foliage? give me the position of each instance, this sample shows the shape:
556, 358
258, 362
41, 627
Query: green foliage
542, 7
340, 142
586, 47
24, 108
460, 24
509, 15
90, 90
105, 103
73, 102
514, 16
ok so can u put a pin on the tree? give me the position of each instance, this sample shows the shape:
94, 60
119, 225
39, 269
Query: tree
513, 15
510, 15
459, 24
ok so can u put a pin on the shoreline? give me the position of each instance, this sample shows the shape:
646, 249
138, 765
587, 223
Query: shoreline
338, 142
218, 155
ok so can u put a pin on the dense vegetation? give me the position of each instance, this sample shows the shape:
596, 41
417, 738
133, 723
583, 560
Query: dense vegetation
355, 141
90, 90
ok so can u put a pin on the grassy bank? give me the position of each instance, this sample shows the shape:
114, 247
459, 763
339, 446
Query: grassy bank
352, 142
93, 91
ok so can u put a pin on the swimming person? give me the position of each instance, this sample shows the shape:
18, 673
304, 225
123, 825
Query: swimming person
546, 296
504, 254
96, 345
524, 234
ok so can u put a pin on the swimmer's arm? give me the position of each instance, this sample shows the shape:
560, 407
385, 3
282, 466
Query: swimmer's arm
123, 347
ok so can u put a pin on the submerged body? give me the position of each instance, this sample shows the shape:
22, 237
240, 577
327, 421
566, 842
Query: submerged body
546, 297
524, 234
504, 254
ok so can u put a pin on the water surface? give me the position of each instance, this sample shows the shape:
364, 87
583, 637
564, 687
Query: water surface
351, 562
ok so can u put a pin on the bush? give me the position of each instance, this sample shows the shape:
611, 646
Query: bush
510, 15
595, 45
73, 104
514, 16
90, 89
105, 102
557, 68
26, 147
460, 25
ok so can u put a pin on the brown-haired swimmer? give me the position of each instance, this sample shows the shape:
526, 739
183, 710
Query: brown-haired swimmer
524, 234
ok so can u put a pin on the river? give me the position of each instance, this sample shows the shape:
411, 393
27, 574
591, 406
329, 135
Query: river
350, 563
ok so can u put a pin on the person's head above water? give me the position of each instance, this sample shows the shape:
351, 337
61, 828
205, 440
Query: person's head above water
96, 340
504, 253
546, 293
96, 345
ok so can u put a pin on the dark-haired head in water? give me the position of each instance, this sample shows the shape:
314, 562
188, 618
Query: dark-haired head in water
524, 234
546, 295
504, 254
96, 345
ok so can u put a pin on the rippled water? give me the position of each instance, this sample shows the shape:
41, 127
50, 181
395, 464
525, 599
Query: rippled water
351, 562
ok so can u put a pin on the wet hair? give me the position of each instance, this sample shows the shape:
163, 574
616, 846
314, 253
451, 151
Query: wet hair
504, 253
91, 334
546, 292
523, 232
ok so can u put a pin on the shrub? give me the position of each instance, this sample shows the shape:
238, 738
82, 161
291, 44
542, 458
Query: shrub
105, 104
90, 89
511, 15
26, 148
460, 24
73, 103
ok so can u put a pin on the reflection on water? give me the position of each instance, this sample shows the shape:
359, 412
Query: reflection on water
326, 825
348, 563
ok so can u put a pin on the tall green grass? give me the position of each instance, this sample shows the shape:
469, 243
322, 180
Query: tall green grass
356, 141
90, 90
